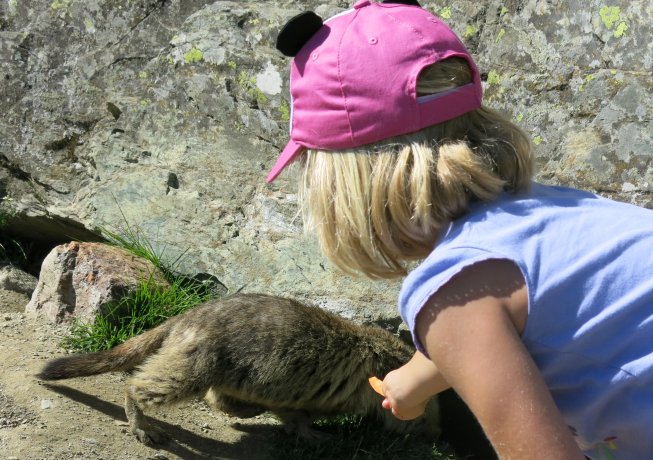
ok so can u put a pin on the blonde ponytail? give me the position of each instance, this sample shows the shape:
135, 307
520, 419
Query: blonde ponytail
377, 207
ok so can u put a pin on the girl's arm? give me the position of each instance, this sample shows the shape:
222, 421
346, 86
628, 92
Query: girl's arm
470, 328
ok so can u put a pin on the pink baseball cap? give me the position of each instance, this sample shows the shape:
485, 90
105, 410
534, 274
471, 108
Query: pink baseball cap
354, 81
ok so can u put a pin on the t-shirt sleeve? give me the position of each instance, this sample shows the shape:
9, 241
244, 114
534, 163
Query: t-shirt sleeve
433, 273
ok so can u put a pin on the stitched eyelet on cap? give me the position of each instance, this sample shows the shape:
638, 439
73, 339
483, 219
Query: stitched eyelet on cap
315, 55
373, 40
432, 19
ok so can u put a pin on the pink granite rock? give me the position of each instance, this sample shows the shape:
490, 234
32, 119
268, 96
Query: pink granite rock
83, 279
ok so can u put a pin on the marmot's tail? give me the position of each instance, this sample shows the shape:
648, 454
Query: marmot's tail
122, 357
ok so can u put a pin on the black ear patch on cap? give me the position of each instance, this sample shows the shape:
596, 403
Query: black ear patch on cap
297, 32
403, 2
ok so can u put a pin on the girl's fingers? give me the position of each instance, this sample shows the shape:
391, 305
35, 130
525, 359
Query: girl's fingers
408, 414
387, 405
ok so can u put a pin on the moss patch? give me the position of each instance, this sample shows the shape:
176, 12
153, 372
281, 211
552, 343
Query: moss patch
194, 55
469, 31
493, 78
60, 4
611, 17
248, 83
284, 110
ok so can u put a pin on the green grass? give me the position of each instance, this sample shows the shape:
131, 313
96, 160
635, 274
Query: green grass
10, 249
357, 438
150, 304
133, 240
14, 251
6, 216
7, 211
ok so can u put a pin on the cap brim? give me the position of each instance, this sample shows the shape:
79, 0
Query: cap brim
289, 153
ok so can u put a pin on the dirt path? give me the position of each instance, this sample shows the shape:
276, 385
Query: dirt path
84, 419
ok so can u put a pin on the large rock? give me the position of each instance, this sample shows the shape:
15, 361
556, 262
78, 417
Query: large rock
15, 279
84, 279
168, 114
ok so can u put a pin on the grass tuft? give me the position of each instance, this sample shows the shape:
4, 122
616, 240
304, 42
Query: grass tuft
14, 252
7, 211
149, 305
133, 240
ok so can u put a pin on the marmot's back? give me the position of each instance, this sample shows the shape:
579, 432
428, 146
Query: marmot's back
279, 352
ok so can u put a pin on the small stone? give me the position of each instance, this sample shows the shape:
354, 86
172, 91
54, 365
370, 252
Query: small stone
46, 404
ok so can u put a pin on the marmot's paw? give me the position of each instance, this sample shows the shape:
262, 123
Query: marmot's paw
312, 435
150, 437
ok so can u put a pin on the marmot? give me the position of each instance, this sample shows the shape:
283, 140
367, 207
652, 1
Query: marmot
250, 353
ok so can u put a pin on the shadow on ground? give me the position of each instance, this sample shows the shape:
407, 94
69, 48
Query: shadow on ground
182, 443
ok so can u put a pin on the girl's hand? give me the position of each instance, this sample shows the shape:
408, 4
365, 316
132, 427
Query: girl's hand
402, 412
408, 389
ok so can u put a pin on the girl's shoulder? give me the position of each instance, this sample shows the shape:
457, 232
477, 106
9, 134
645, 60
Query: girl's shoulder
542, 211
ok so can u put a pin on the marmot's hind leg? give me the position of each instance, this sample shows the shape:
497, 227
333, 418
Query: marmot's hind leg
167, 377
170, 376
232, 406
140, 426
299, 422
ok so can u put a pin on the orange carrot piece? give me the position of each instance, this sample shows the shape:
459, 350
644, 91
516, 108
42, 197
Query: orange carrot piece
377, 385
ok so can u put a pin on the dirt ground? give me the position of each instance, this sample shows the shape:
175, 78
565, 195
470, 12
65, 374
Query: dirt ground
84, 419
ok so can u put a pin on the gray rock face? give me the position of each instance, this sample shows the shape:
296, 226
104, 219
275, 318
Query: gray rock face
84, 279
168, 114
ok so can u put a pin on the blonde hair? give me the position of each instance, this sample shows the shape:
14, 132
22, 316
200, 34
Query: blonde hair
377, 207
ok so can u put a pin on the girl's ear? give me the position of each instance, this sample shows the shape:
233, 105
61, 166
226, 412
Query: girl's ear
403, 2
297, 32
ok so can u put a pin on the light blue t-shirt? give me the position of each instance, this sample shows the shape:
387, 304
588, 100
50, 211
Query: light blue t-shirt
588, 266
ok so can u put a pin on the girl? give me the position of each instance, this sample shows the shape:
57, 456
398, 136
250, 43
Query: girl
535, 303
